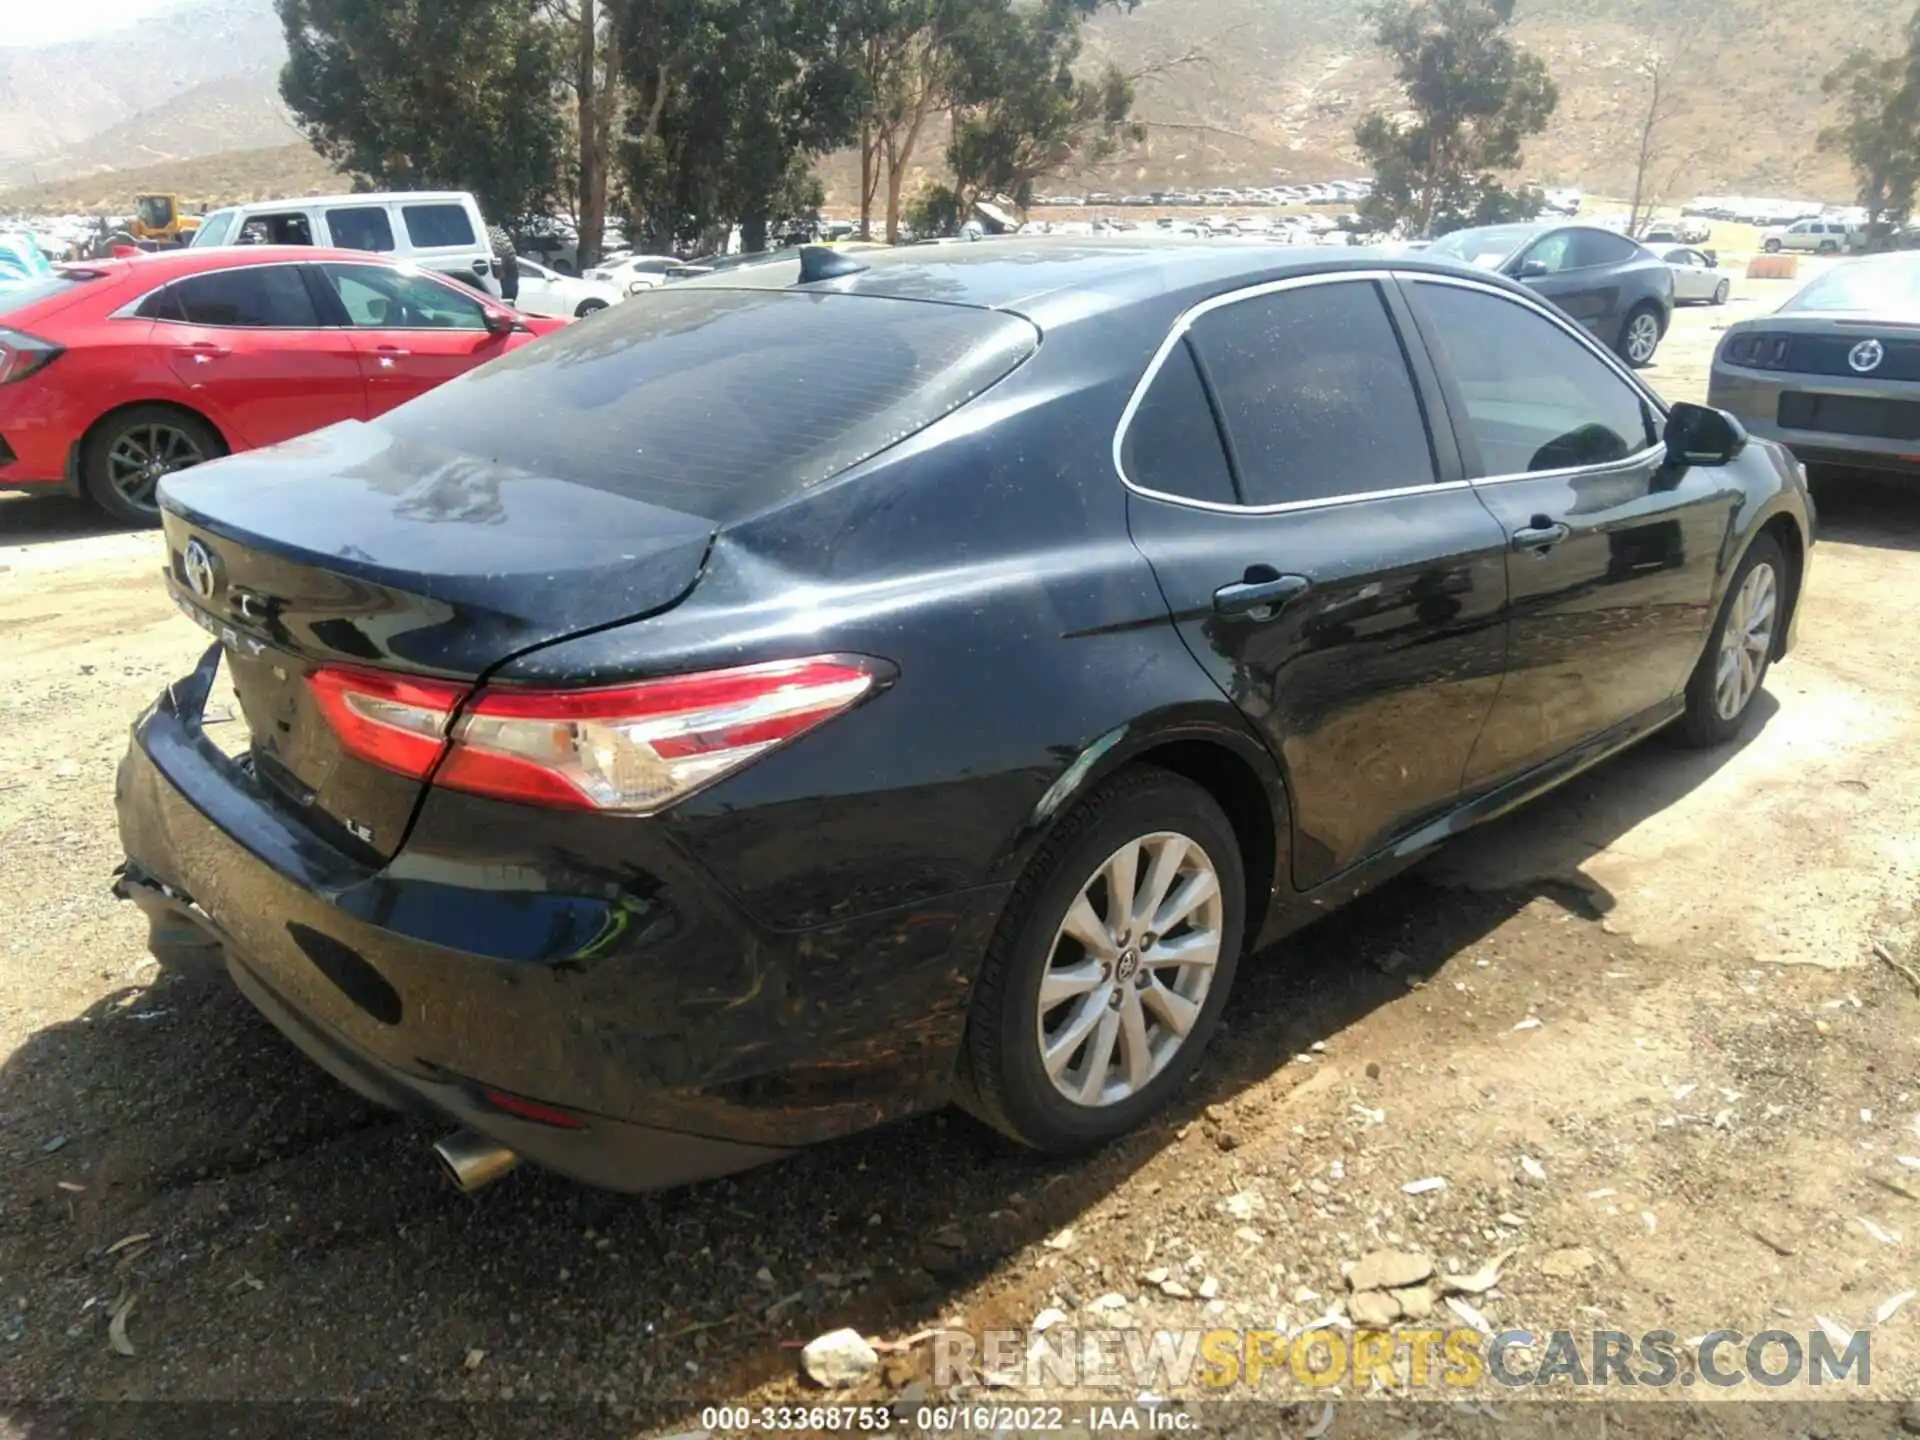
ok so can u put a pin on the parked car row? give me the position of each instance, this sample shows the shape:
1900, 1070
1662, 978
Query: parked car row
1331, 192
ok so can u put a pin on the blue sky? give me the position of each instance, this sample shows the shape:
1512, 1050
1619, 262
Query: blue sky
36, 22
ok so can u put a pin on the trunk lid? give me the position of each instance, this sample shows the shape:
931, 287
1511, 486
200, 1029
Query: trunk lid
356, 546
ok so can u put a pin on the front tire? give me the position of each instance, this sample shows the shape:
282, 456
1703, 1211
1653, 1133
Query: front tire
1740, 650
1772, 247
126, 457
1110, 966
1640, 335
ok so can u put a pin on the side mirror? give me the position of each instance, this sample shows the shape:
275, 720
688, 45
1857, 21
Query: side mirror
501, 322
1531, 269
1713, 260
1700, 435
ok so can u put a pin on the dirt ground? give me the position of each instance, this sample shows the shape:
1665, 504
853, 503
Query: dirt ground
1641, 1030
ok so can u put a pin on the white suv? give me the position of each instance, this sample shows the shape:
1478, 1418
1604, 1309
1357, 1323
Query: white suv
435, 229
1821, 237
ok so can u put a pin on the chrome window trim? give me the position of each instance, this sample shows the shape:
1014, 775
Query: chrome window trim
130, 310
1187, 318
1585, 337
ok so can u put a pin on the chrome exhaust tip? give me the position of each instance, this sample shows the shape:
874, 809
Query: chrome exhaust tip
472, 1161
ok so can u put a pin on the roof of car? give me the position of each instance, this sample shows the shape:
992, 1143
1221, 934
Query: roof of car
376, 197
162, 263
1056, 278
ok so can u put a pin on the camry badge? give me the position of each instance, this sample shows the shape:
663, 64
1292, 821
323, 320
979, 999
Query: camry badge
1865, 357
197, 563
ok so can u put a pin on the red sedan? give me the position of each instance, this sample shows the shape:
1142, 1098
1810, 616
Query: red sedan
115, 372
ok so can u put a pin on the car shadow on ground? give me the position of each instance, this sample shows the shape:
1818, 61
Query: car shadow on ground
303, 1246
43, 519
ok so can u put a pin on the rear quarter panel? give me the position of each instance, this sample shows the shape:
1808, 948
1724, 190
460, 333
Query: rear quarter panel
989, 560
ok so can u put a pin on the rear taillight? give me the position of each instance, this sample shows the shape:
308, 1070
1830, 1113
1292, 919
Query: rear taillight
22, 355
635, 749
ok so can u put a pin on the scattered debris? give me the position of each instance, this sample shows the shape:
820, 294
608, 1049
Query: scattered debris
1424, 1187
1880, 1233
1374, 1308
1063, 1240
1389, 1270
139, 1237
1532, 1022
474, 1357
839, 1358
1470, 1315
1047, 1319
117, 1327
49, 1146
1835, 1331
1480, 1281
1533, 1169
1777, 1246
1112, 1300
1565, 1264
71, 1186
1906, 971
1891, 1307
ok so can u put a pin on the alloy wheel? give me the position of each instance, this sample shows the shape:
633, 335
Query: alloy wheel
1746, 641
143, 455
1130, 968
1643, 338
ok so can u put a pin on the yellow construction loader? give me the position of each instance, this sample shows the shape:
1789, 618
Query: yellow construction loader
160, 217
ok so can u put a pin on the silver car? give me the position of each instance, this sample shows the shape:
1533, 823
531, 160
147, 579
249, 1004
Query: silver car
1696, 275
1835, 372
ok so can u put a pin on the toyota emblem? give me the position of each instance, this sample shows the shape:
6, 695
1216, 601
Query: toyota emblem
1865, 357
197, 563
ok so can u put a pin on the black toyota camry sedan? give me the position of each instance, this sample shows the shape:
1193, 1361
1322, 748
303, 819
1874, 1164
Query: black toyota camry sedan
809, 696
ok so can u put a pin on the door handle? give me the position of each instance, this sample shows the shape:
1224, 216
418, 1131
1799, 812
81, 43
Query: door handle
388, 354
1541, 533
1261, 594
200, 352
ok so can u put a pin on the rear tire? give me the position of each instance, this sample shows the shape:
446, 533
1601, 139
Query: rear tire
589, 307
1117, 1034
1640, 335
129, 453
1739, 650
1721, 292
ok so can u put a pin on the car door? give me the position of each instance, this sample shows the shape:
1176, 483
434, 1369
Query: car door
412, 331
252, 348
1612, 549
1585, 281
1692, 278
1320, 552
539, 291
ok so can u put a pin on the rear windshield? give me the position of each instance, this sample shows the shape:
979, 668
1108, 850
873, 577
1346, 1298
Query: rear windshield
1891, 285
1486, 247
721, 403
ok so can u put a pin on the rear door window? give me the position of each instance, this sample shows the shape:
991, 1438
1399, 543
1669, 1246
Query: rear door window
721, 403
436, 225
273, 297
1172, 444
361, 227
1536, 398
1315, 394
1597, 247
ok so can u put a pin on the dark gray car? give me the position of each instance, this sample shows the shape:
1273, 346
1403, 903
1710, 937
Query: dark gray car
1614, 286
1835, 372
